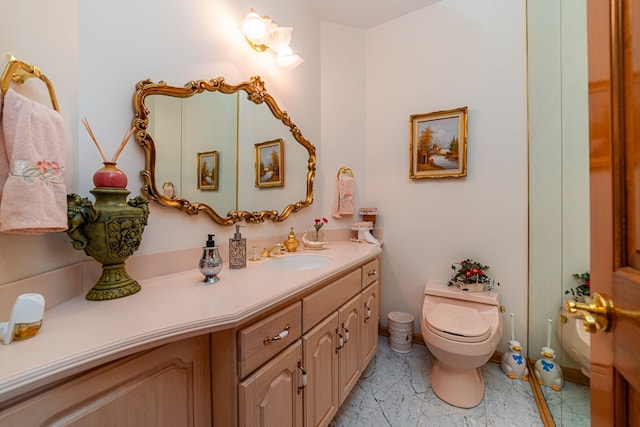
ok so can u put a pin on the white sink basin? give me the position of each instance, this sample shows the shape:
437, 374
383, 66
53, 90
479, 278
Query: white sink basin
296, 262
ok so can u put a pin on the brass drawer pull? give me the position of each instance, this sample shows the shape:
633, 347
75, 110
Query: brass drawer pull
368, 309
278, 337
373, 272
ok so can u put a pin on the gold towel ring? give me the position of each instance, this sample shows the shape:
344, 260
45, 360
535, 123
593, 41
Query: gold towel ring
19, 72
345, 170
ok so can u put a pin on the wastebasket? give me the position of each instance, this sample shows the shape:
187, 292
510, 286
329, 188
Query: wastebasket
400, 331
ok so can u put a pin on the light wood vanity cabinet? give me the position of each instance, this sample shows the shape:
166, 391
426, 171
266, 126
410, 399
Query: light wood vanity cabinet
290, 363
302, 377
272, 396
167, 386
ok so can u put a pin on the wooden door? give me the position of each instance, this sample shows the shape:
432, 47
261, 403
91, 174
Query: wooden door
370, 318
350, 355
320, 349
614, 122
271, 396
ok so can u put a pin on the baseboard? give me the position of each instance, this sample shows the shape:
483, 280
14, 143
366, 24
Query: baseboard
570, 374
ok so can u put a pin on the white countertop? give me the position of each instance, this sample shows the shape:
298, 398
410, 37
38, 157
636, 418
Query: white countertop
78, 333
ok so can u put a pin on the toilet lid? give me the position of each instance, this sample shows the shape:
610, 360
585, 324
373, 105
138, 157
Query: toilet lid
458, 323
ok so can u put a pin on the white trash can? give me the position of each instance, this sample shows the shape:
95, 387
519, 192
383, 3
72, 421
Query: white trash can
400, 331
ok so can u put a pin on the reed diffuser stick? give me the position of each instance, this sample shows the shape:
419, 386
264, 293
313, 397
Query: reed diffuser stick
85, 122
122, 144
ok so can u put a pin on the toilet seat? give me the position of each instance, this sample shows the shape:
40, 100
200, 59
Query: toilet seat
458, 323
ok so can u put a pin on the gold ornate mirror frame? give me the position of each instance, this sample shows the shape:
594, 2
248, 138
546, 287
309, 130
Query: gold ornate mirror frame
257, 94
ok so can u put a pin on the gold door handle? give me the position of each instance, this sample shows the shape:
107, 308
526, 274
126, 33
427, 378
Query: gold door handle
599, 313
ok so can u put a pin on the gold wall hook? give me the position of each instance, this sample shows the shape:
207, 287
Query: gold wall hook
599, 313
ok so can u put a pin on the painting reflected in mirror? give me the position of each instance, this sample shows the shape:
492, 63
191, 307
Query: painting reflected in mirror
203, 138
208, 171
269, 164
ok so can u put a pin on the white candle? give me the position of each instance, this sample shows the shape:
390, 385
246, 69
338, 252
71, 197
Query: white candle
549, 332
512, 327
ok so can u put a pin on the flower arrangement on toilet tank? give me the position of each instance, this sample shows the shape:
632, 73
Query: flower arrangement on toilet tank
471, 275
581, 292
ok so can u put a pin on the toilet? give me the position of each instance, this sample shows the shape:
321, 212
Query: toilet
461, 330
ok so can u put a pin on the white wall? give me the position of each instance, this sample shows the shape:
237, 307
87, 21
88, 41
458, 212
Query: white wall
123, 42
452, 54
44, 34
352, 98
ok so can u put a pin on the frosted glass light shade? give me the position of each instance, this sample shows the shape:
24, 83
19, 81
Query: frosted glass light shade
279, 38
256, 28
287, 59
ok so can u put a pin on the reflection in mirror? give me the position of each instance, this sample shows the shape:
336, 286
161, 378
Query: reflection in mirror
558, 191
203, 149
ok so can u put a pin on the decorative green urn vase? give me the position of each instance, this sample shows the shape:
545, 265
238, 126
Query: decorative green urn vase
109, 231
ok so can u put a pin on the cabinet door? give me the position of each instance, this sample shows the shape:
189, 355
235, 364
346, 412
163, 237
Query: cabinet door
272, 395
168, 386
350, 355
370, 318
321, 363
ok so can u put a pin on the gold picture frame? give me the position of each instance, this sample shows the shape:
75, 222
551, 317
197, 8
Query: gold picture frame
269, 162
439, 144
208, 171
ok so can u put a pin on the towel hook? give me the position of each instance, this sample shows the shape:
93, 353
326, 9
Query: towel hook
344, 170
19, 72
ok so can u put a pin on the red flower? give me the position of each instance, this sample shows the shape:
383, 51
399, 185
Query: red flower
319, 223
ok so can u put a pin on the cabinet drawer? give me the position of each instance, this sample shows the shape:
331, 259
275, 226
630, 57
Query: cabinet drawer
263, 340
370, 273
321, 303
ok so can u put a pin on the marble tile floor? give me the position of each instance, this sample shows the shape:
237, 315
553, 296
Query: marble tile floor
394, 391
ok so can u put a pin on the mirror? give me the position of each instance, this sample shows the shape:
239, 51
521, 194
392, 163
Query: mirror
222, 149
558, 190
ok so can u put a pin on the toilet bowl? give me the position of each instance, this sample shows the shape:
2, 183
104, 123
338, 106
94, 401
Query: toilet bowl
575, 340
461, 330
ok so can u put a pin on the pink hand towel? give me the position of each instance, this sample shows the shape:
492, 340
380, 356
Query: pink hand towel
343, 201
4, 161
34, 199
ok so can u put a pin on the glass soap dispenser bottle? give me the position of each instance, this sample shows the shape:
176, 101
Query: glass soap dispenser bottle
211, 262
237, 250
291, 244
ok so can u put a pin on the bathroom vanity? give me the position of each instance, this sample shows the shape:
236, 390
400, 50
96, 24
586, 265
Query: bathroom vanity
264, 346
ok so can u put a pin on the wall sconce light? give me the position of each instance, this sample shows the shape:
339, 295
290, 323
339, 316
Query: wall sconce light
262, 33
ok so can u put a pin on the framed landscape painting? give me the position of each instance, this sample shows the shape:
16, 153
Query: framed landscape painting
439, 144
208, 171
270, 163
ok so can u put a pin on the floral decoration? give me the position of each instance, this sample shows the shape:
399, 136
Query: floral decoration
583, 289
318, 224
470, 271
48, 172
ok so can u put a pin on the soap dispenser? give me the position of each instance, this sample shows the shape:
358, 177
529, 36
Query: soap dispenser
237, 250
211, 262
291, 243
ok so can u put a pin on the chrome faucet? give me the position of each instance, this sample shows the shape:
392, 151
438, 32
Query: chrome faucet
278, 249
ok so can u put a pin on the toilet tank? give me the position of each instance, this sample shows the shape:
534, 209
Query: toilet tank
452, 292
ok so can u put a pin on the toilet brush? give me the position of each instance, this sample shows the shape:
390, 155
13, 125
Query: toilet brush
547, 371
513, 363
